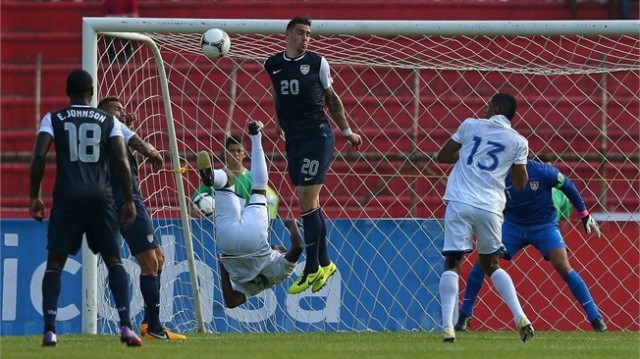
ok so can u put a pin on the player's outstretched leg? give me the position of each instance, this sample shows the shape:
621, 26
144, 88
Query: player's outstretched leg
210, 177
259, 172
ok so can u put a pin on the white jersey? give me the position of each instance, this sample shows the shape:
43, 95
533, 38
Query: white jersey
241, 235
489, 149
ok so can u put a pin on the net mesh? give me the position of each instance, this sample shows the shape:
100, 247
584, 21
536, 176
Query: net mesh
578, 99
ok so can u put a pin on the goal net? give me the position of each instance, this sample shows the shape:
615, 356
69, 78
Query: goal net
406, 86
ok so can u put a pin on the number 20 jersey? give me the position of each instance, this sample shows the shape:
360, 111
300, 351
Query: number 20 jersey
489, 149
81, 135
299, 86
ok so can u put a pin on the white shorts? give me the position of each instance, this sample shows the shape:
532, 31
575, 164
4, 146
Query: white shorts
276, 270
241, 231
462, 221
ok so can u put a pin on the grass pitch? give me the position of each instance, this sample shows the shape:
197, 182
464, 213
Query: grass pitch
494, 345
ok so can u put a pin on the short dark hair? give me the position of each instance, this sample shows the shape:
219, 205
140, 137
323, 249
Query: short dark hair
298, 20
505, 104
79, 82
233, 140
103, 103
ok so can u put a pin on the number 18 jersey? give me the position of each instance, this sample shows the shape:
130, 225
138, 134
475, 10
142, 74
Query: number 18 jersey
80, 135
489, 149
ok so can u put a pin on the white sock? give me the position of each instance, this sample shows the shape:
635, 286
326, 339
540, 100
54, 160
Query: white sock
504, 286
448, 296
220, 179
259, 174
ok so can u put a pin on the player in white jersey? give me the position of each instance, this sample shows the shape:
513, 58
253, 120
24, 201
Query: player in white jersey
248, 263
484, 152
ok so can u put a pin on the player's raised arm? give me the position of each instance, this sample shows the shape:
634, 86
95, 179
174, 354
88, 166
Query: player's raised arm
297, 244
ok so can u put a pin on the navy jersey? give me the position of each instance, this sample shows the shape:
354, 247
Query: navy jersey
299, 86
534, 204
81, 135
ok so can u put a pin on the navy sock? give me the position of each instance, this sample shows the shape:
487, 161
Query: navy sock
50, 293
312, 229
323, 255
151, 295
474, 284
119, 285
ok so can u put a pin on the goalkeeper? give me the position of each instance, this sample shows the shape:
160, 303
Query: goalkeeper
248, 264
234, 156
531, 218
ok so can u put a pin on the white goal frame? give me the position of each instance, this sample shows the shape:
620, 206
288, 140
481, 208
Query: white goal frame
128, 28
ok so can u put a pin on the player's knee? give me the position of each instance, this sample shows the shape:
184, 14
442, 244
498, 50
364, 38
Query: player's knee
489, 263
452, 260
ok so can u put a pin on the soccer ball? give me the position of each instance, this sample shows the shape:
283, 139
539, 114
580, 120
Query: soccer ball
205, 204
215, 43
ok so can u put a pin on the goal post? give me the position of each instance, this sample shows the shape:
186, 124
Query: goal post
406, 86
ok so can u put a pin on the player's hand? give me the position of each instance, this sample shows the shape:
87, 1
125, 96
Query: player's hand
590, 225
129, 119
156, 160
127, 214
355, 140
36, 209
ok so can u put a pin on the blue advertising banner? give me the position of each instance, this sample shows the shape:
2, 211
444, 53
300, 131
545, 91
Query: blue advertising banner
387, 279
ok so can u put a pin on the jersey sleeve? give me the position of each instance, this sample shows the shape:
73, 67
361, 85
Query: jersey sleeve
325, 73
45, 125
458, 136
117, 128
522, 152
126, 132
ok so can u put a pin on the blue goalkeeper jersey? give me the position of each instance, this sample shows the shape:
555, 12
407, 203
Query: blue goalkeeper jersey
534, 204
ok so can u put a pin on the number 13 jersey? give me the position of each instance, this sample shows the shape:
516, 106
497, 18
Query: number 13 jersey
489, 149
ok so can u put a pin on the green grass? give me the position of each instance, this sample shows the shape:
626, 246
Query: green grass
493, 345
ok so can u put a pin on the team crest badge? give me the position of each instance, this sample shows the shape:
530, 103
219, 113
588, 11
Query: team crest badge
534, 185
150, 238
304, 69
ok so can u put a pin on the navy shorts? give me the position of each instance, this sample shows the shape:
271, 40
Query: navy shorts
309, 159
140, 236
72, 218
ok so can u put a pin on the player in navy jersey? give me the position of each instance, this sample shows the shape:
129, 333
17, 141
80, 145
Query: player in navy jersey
531, 219
484, 152
89, 146
301, 84
140, 237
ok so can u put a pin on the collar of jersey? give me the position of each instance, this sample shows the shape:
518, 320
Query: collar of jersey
286, 58
500, 120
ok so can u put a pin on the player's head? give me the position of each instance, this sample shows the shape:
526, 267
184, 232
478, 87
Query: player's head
113, 105
501, 104
298, 35
80, 85
234, 151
